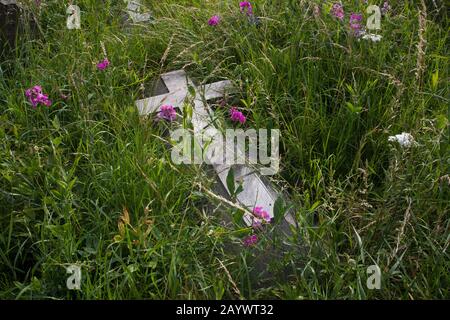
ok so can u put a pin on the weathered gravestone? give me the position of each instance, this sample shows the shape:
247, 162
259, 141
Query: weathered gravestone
16, 20
255, 191
9, 23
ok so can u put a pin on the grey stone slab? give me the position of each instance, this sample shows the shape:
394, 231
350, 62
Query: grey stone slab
176, 80
255, 192
151, 105
177, 83
216, 90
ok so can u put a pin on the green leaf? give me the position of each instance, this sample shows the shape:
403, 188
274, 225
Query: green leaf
56, 123
350, 89
435, 79
279, 210
245, 103
239, 189
238, 216
441, 121
352, 108
314, 206
16, 132
230, 181
71, 184
57, 141
191, 90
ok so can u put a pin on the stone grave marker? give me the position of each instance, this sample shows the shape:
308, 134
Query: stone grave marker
15, 21
9, 22
256, 192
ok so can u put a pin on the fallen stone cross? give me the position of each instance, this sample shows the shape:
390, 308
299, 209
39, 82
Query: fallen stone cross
254, 191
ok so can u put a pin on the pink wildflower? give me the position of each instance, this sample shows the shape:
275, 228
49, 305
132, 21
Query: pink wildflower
246, 6
35, 96
103, 64
167, 112
251, 240
355, 19
337, 10
261, 213
214, 21
237, 116
355, 24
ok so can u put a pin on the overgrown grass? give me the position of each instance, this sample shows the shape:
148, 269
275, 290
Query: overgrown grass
69, 174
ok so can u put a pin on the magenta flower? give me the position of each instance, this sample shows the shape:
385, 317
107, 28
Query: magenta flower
261, 213
167, 112
251, 240
337, 10
35, 96
214, 21
237, 116
355, 19
102, 65
355, 24
246, 6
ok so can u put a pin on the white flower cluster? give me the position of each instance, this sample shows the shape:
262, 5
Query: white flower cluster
405, 139
373, 37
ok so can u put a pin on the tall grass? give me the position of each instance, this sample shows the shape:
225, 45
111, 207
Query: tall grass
70, 174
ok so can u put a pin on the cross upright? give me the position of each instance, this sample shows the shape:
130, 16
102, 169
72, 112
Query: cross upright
177, 82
